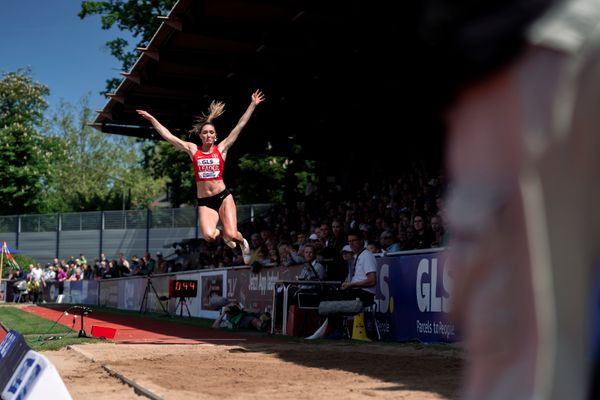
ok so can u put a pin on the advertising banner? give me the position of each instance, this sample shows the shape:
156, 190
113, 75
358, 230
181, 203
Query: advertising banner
413, 298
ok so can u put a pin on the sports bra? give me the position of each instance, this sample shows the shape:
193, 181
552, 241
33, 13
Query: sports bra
208, 166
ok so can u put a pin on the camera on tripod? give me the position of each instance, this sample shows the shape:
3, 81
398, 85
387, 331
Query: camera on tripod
149, 287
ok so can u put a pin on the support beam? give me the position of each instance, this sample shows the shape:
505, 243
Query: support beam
150, 52
117, 97
174, 23
105, 114
134, 77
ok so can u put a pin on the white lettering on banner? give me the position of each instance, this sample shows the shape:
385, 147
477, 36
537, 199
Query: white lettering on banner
20, 375
383, 326
436, 302
448, 284
383, 304
427, 298
263, 282
447, 330
424, 327
436, 328
231, 285
8, 342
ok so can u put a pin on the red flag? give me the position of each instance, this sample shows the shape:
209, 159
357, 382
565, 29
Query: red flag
9, 258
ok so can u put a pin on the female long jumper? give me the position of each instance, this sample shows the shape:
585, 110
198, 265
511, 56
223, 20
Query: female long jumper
214, 199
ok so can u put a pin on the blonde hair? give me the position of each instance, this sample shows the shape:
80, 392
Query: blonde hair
215, 109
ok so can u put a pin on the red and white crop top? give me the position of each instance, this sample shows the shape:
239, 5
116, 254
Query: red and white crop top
208, 166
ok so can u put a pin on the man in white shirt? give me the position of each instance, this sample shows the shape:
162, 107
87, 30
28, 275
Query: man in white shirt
363, 273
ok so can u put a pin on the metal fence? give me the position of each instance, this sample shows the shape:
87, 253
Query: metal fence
45, 236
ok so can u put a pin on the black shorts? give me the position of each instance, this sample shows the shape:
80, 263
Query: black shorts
213, 202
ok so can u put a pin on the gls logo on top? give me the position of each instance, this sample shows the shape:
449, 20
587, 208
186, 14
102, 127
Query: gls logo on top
429, 296
208, 161
427, 292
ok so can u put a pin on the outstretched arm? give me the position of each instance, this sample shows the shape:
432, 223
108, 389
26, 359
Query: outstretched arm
257, 98
188, 147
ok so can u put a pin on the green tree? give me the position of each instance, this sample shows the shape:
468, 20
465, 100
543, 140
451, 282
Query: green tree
135, 16
22, 260
25, 153
139, 18
164, 159
275, 178
94, 171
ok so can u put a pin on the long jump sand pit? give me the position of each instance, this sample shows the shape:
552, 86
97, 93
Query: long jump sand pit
278, 369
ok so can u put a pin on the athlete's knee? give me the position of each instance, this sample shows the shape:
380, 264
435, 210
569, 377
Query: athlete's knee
211, 236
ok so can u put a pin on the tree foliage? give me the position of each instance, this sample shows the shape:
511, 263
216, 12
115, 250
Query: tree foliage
108, 170
23, 260
164, 159
135, 16
274, 178
25, 153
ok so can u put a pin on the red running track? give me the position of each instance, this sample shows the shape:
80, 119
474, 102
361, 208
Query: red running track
137, 329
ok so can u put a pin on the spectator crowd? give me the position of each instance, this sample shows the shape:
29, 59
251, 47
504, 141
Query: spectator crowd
394, 214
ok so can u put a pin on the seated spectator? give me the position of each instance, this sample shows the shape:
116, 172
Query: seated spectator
312, 269
148, 265
374, 247
301, 240
109, 271
87, 271
262, 260
288, 255
123, 266
423, 236
360, 283
389, 242
233, 316
314, 239
441, 237
256, 242
161, 265
135, 265
82, 260
274, 257
347, 254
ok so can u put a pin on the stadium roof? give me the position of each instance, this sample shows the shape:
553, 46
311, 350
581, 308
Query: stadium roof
329, 69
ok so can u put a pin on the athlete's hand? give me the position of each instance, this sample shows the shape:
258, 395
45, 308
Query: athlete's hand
145, 114
257, 97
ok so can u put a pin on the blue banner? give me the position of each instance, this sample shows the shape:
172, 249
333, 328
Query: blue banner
413, 298
12, 350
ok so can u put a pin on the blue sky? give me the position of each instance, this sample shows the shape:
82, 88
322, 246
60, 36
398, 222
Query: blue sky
64, 52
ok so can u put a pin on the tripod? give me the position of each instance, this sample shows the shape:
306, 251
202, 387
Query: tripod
180, 304
144, 304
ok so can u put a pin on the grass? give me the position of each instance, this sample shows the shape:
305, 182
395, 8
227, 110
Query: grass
43, 334
40, 333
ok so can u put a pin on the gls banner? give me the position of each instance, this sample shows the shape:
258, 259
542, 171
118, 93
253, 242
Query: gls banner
413, 297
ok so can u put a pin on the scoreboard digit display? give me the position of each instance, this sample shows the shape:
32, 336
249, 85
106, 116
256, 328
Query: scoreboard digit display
183, 288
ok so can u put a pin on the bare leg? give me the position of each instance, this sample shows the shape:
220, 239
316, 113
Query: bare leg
228, 214
208, 223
